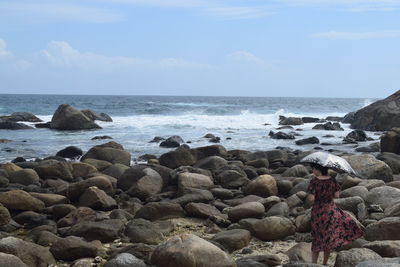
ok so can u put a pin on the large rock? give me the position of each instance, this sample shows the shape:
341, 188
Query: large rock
67, 117
9, 260
125, 260
390, 141
20, 200
83, 170
296, 171
72, 248
355, 136
368, 167
53, 169
21, 116
385, 196
105, 231
290, 121
300, 252
263, 186
31, 254
75, 190
160, 211
190, 251
111, 152
143, 231
270, 228
381, 115
202, 210
232, 179
307, 141
385, 229
246, 210
173, 141
73, 215
386, 248
96, 198
10, 125
391, 159
178, 158
233, 240
193, 180
70, 152
388, 262
24, 177
329, 126
350, 258
96, 116
5, 216
211, 163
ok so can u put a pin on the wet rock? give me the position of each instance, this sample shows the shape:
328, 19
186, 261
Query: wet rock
194, 195
329, 126
190, 251
307, 141
10, 125
211, 163
96, 116
70, 152
281, 135
355, 136
24, 177
279, 209
67, 117
30, 219
101, 137
173, 141
290, 121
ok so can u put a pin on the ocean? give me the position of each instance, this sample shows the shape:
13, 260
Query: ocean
240, 122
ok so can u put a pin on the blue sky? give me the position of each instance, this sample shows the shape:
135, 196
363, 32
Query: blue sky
321, 48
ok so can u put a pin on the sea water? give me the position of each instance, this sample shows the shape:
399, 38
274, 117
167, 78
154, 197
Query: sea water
240, 122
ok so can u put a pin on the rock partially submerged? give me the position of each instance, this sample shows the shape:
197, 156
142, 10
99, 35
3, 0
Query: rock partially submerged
67, 117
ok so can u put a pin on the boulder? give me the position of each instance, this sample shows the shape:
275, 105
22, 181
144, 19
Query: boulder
53, 169
290, 121
125, 260
211, 163
381, 115
298, 170
233, 240
385, 196
20, 200
385, 229
246, 210
21, 116
9, 260
30, 219
194, 195
116, 170
329, 126
307, 141
96, 116
31, 254
358, 190
355, 136
141, 181
143, 231
281, 135
393, 210
100, 165
105, 231
72, 248
97, 199
373, 147
70, 152
300, 253
262, 260
160, 211
24, 177
74, 216
5, 216
193, 180
368, 167
83, 170
232, 179
190, 251
350, 258
177, 158
213, 150
385, 248
263, 186
279, 209
269, 228
391, 159
202, 210
173, 141
75, 190
8, 168
67, 117
10, 125
388, 262
111, 152
390, 141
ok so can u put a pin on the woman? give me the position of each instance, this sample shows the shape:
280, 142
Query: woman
330, 226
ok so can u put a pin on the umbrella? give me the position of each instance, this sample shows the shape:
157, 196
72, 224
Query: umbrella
330, 161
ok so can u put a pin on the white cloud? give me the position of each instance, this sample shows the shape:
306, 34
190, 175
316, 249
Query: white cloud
245, 56
42, 12
357, 35
3, 50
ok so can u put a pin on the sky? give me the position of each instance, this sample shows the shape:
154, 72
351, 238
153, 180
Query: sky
289, 48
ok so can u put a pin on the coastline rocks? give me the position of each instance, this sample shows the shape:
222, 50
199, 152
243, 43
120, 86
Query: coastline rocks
24, 177
298, 170
263, 186
75, 190
173, 141
105, 231
97, 199
67, 117
232, 179
10, 125
385, 229
386, 248
5, 216
111, 152
290, 121
329, 126
307, 141
355, 136
390, 141
391, 159
96, 116
385, 196
350, 258
72, 248
143, 231
281, 135
233, 240
211, 163
193, 180
190, 251
124, 260
30, 253
53, 169
269, 228
9, 260
160, 211
368, 167
245, 210
70, 152
300, 253
178, 158
260, 261
202, 210
381, 115
21, 116
20, 200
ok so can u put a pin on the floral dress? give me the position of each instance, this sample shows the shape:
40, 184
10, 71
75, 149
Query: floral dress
331, 227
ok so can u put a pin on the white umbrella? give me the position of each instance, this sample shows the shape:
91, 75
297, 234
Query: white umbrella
330, 161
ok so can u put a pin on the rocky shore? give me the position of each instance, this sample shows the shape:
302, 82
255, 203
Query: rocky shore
190, 207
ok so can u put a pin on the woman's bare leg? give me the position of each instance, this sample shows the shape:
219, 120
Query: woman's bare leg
326, 256
315, 256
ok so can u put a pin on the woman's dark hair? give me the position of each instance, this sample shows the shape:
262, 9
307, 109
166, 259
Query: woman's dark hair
322, 169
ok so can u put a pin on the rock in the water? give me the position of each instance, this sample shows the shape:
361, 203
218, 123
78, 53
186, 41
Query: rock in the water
329, 126
190, 251
350, 258
388, 262
307, 141
355, 136
381, 115
281, 135
125, 260
67, 117
31, 254
233, 240
96, 116
173, 141
10, 125
72, 248
70, 152
290, 121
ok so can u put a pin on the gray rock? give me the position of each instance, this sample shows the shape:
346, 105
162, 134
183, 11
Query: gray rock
173, 141
262, 260
97, 199
190, 251
395, 262
143, 231
111, 152
233, 240
307, 141
270, 228
385, 196
263, 186
232, 179
296, 171
385, 248
368, 167
160, 211
67, 117
24, 177
105, 231
72, 248
358, 190
350, 258
125, 260
300, 253
385, 229
52, 169
202, 210
9, 260
329, 126
75, 190
96, 116
246, 210
193, 180
279, 209
390, 141
391, 159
